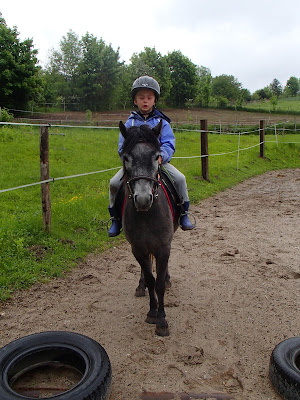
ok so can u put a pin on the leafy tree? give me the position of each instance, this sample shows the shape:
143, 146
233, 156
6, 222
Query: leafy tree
226, 86
122, 92
20, 80
55, 88
274, 100
61, 77
276, 87
65, 60
264, 93
98, 73
292, 86
244, 97
83, 71
184, 79
204, 86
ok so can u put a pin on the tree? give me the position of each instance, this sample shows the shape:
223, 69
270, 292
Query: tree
184, 79
226, 86
204, 86
244, 97
65, 61
122, 92
20, 79
84, 72
276, 87
292, 86
264, 93
61, 76
98, 72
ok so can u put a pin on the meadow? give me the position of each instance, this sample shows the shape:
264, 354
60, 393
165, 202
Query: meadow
287, 105
79, 204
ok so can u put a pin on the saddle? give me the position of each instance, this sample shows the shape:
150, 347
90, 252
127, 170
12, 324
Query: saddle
170, 189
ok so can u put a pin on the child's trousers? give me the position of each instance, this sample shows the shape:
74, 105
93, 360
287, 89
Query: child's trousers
179, 178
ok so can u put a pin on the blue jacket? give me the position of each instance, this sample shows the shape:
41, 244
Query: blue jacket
166, 137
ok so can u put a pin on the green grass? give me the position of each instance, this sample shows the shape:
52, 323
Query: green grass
79, 205
284, 105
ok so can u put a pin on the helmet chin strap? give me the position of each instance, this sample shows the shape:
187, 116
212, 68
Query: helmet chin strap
147, 113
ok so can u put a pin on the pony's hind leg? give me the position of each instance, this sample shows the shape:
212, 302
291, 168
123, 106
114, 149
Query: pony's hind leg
140, 291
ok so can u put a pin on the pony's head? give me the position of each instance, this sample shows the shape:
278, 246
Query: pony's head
140, 154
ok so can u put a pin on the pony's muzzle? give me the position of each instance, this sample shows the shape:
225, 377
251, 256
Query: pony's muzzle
143, 202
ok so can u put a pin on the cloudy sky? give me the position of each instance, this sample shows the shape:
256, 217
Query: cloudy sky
256, 41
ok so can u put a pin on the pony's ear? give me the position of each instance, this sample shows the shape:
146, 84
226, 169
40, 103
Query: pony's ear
123, 129
156, 130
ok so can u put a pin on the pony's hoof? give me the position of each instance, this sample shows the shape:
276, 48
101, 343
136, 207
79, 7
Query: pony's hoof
140, 292
162, 331
168, 284
151, 318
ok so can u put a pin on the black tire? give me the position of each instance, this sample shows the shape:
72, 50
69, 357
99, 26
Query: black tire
72, 349
284, 369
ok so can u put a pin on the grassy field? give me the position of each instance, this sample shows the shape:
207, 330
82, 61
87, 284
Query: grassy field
79, 205
284, 105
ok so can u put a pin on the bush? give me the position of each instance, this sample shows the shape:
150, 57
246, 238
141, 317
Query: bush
222, 102
5, 115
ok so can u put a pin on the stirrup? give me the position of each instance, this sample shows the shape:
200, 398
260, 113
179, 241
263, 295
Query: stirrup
187, 213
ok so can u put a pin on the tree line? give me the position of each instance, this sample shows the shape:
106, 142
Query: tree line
87, 74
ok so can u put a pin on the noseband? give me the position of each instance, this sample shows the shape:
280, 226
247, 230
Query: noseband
147, 178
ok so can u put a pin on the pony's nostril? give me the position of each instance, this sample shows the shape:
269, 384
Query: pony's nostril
143, 202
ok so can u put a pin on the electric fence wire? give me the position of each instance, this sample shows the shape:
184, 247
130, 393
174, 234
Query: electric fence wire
114, 168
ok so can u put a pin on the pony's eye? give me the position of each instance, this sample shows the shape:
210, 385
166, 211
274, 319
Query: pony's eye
157, 157
125, 158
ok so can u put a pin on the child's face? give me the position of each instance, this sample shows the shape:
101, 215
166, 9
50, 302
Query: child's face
145, 100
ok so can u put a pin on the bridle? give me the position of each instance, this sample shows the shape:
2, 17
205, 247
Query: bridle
147, 178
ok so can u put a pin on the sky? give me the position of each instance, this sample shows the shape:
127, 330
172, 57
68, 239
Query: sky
255, 41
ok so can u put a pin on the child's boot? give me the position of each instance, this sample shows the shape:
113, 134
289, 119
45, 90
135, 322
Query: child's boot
184, 222
116, 223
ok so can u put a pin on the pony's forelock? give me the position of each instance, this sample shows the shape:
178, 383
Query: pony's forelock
136, 134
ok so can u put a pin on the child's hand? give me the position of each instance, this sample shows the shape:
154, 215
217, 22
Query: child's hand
159, 160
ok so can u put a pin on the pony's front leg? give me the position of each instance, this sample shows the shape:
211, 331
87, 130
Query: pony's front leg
168, 280
162, 328
146, 265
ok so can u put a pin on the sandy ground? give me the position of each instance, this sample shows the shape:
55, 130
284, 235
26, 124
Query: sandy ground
234, 296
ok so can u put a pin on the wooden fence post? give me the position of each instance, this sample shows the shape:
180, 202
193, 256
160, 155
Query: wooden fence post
204, 149
262, 138
44, 173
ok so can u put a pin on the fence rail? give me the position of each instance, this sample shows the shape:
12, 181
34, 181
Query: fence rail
45, 179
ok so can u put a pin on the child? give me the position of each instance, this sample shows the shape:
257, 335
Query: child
145, 94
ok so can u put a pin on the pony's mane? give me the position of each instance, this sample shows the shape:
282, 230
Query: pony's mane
137, 134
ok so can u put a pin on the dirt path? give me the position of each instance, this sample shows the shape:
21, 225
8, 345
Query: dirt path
234, 296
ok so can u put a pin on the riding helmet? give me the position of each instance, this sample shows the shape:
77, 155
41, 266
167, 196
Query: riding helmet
145, 82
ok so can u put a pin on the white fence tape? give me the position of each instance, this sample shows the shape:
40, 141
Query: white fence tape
114, 168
